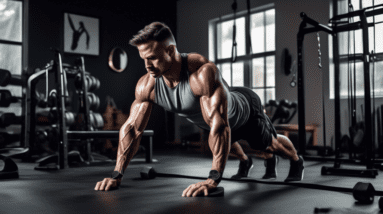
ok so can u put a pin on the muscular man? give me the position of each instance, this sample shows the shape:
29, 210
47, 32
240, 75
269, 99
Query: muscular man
193, 87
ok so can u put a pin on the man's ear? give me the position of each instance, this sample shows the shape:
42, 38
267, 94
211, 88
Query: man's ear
171, 49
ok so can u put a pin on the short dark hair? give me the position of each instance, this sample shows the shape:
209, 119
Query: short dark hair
156, 31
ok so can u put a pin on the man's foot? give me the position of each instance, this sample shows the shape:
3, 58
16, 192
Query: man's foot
271, 168
244, 169
296, 170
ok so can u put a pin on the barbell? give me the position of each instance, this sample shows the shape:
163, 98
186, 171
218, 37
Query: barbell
363, 192
150, 173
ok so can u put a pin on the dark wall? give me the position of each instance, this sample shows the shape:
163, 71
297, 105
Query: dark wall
119, 21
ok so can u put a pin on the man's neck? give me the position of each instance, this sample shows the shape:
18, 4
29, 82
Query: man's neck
172, 76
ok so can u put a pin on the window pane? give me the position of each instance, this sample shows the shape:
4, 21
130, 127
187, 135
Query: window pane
270, 94
238, 77
378, 79
241, 36
226, 73
342, 7
344, 77
379, 39
366, 3
10, 59
356, 6
225, 38
359, 79
11, 20
261, 94
270, 30
378, 18
344, 46
270, 69
358, 42
345, 85
371, 42
257, 32
258, 72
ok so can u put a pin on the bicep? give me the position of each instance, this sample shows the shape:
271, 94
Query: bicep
214, 108
139, 116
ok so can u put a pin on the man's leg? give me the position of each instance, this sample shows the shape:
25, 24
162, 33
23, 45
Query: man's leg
238, 152
245, 162
284, 147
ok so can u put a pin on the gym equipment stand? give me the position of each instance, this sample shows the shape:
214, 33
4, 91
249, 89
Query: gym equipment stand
334, 30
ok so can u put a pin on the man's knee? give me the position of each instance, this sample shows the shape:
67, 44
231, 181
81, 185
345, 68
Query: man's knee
274, 144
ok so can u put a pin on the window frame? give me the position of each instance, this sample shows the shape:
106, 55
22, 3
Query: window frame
346, 59
248, 57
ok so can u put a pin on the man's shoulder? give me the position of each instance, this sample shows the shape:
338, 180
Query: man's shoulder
144, 87
196, 61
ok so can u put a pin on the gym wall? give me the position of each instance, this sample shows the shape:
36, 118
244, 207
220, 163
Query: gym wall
192, 36
119, 21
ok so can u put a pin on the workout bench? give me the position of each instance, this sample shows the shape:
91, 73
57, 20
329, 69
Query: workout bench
285, 129
111, 135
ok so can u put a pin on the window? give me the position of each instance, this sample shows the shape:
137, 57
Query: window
254, 67
350, 43
11, 45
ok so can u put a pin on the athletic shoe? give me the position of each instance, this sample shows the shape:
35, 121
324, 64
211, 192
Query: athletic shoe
271, 168
244, 169
296, 170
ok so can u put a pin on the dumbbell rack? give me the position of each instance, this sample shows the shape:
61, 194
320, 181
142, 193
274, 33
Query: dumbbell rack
84, 105
56, 67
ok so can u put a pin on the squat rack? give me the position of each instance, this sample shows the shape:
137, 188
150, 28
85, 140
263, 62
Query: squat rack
337, 27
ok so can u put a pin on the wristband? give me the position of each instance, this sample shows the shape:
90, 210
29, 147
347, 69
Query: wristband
215, 176
116, 175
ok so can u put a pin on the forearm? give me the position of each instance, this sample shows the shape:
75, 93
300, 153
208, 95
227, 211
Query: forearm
129, 143
219, 143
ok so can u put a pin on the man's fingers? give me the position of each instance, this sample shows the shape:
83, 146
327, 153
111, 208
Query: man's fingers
186, 191
191, 190
111, 184
103, 184
97, 186
206, 191
199, 191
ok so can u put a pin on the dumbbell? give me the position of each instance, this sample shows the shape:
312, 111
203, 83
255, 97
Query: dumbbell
7, 119
273, 103
286, 103
51, 117
6, 98
46, 140
96, 120
94, 101
91, 82
6, 78
51, 101
149, 173
69, 118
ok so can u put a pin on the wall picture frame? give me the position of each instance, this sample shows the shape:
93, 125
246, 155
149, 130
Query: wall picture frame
81, 34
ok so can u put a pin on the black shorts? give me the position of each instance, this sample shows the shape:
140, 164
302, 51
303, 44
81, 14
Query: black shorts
258, 130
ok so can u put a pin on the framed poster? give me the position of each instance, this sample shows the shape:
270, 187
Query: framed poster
81, 34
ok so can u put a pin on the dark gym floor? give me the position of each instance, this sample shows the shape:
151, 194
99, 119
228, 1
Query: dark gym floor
72, 190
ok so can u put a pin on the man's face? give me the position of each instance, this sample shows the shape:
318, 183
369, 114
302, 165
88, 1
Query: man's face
157, 60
